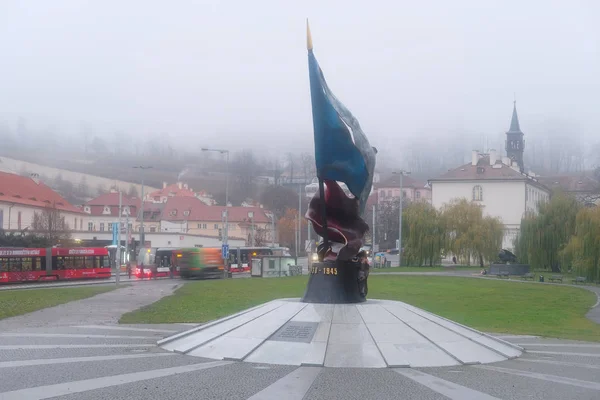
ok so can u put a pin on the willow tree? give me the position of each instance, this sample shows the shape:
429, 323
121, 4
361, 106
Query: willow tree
544, 234
468, 234
423, 234
582, 252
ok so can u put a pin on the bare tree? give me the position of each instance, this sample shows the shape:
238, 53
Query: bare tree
278, 199
260, 237
246, 169
132, 192
50, 224
290, 160
308, 166
100, 189
83, 189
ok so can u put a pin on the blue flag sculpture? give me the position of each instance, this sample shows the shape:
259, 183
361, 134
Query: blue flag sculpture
342, 154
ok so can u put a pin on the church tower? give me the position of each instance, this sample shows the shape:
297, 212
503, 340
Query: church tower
515, 145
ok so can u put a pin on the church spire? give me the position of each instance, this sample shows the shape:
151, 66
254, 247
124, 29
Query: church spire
514, 122
515, 145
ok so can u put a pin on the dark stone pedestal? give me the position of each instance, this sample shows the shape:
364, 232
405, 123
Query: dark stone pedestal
511, 269
333, 282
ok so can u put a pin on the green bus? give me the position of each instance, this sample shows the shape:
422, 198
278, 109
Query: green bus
201, 262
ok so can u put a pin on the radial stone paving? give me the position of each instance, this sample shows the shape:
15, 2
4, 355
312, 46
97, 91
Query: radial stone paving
374, 334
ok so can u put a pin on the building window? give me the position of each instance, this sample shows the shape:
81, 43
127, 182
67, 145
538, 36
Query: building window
382, 194
389, 193
81, 224
90, 226
403, 194
477, 193
110, 228
19, 220
199, 226
203, 226
152, 229
101, 226
418, 194
216, 226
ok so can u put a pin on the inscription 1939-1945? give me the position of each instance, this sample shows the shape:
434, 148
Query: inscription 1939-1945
324, 270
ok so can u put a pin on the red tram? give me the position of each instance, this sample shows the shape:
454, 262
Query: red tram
51, 264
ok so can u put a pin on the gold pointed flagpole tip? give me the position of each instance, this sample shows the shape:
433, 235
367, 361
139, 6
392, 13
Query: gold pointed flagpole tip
309, 45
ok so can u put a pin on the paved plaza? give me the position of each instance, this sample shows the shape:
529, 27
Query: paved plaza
78, 351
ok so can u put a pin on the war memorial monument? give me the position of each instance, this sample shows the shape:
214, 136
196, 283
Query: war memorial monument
334, 324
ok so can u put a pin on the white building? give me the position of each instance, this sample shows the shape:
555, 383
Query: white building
21, 197
412, 190
496, 185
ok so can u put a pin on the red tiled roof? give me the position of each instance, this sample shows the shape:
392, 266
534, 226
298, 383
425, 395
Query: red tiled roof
176, 208
394, 182
173, 191
482, 171
23, 190
198, 211
112, 199
582, 183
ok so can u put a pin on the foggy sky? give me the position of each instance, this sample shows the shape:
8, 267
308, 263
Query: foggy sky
217, 71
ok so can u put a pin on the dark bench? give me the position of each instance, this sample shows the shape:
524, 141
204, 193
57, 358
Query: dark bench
556, 278
580, 279
528, 275
503, 275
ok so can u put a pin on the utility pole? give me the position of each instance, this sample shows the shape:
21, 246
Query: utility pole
127, 235
142, 233
251, 216
299, 224
272, 229
373, 231
225, 239
118, 254
142, 236
401, 173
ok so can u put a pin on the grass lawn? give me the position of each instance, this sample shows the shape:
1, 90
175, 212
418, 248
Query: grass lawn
487, 305
18, 302
425, 269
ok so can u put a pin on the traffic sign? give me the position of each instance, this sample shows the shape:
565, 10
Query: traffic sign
115, 233
225, 251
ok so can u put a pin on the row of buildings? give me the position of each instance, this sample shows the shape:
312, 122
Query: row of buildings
498, 183
176, 215
173, 216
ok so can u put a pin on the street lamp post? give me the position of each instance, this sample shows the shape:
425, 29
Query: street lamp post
118, 253
127, 234
142, 233
226, 230
251, 216
299, 224
401, 173
272, 229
